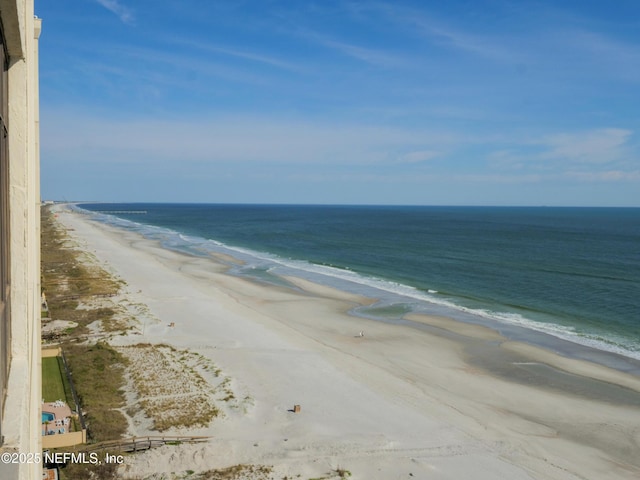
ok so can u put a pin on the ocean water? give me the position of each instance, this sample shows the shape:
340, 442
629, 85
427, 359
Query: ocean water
564, 273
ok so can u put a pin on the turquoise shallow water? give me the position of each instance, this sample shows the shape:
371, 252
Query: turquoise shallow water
572, 273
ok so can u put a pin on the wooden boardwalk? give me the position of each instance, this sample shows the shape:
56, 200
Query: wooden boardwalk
136, 444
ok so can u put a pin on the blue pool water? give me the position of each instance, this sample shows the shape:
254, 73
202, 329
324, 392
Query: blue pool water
47, 417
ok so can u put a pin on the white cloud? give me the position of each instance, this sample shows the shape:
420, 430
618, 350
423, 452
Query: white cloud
372, 56
439, 32
236, 139
368, 55
591, 147
609, 56
604, 156
419, 156
124, 13
240, 53
605, 176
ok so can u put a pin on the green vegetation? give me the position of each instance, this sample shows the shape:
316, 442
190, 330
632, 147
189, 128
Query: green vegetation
98, 373
52, 380
238, 472
69, 283
55, 384
343, 473
340, 472
84, 471
171, 391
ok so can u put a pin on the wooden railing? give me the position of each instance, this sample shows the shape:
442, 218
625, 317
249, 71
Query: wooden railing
73, 390
135, 444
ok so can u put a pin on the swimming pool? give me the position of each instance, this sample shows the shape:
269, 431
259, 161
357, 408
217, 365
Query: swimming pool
47, 417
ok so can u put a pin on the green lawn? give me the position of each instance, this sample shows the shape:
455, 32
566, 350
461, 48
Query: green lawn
52, 383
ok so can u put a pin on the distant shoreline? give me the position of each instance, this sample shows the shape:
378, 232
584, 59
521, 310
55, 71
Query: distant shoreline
397, 400
587, 345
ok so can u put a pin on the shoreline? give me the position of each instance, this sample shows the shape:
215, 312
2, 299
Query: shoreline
552, 336
399, 399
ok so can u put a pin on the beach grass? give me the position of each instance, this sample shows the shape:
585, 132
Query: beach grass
77, 290
238, 472
84, 471
170, 387
98, 373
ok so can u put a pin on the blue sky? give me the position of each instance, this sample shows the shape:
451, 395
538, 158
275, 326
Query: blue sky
486, 102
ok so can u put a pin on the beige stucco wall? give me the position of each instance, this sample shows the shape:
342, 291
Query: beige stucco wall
66, 440
51, 352
21, 425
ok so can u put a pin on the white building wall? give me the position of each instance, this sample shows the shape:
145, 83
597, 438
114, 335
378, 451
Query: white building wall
21, 421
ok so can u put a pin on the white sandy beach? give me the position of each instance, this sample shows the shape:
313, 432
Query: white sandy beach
400, 402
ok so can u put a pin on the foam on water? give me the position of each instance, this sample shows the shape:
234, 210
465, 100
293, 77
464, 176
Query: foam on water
263, 266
